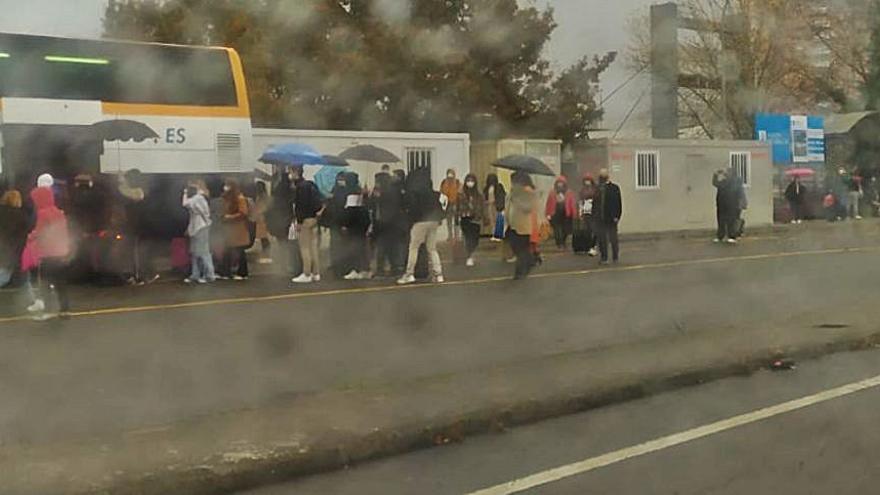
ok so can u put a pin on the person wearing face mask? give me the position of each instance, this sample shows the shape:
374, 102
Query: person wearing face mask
450, 188
560, 210
235, 217
583, 240
607, 211
470, 213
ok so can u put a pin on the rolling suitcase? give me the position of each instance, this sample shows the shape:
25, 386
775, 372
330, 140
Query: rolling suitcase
580, 241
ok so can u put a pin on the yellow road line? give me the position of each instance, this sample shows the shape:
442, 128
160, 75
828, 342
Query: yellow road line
478, 281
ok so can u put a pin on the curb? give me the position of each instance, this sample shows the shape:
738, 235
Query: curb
338, 450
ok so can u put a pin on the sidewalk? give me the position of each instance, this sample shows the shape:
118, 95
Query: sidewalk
333, 429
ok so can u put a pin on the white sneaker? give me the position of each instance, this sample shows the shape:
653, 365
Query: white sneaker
353, 275
794, 221
511, 259
365, 275
593, 252
732, 241
303, 279
44, 317
800, 221
469, 262
406, 280
239, 278
716, 240
316, 278
439, 279
187, 280
202, 281
858, 217
37, 307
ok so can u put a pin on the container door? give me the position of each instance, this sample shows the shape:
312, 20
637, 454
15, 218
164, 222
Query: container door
699, 203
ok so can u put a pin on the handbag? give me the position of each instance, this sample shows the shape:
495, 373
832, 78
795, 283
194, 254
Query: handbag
293, 231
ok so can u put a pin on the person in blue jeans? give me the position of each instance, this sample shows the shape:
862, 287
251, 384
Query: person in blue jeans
496, 202
199, 232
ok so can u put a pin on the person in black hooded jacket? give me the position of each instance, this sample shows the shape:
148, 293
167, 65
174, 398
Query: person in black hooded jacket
422, 204
355, 223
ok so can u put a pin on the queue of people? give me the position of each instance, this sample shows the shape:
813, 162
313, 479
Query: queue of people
389, 230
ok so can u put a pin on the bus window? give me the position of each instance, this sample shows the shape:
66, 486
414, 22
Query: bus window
41, 67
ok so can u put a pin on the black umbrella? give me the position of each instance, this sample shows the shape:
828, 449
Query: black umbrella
524, 163
124, 130
335, 161
369, 153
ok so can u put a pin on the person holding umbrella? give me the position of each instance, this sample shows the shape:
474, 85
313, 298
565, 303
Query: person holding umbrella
521, 209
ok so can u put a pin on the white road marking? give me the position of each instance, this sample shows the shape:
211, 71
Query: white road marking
587, 465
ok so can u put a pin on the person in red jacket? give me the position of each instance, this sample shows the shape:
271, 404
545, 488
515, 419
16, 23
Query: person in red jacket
561, 210
48, 252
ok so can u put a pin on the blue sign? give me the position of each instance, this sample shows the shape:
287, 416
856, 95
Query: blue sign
793, 138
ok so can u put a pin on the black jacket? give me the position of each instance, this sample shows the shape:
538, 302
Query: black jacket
730, 195
608, 204
307, 200
500, 196
386, 204
796, 194
13, 235
279, 215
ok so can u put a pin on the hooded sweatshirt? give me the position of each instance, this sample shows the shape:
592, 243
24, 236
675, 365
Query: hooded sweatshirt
568, 200
50, 236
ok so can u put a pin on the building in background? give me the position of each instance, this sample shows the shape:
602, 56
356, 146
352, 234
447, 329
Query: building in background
667, 184
434, 151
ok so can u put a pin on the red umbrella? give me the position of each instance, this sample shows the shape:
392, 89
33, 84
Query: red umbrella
800, 172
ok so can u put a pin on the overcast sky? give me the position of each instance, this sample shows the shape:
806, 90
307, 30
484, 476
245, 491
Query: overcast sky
585, 27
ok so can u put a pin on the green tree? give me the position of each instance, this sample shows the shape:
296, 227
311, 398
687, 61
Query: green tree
420, 65
872, 84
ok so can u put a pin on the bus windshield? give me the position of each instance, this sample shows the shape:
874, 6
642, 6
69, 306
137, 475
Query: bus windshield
53, 68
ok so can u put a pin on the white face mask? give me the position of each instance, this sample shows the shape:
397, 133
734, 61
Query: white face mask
470, 183
226, 188
450, 176
292, 177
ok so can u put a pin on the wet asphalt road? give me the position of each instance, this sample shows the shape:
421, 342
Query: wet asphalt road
138, 362
829, 447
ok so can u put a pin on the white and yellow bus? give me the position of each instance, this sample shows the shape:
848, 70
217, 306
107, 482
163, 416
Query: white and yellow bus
162, 109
